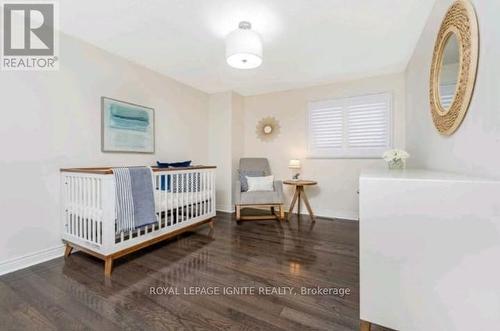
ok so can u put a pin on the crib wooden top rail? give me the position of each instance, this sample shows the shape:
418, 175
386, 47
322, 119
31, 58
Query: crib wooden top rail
108, 170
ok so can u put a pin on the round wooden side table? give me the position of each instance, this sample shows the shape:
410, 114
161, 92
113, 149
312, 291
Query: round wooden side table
300, 194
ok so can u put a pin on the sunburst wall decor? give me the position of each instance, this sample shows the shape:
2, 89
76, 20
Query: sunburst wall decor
267, 129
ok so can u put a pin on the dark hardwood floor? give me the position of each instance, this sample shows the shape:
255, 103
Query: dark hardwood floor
75, 295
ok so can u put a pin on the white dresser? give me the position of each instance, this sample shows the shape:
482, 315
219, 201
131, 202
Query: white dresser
429, 251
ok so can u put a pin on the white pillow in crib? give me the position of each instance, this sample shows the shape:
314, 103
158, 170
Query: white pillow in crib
260, 183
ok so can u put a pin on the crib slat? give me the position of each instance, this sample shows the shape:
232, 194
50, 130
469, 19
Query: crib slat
82, 204
198, 192
73, 204
181, 198
163, 201
183, 189
209, 201
79, 204
209, 192
65, 206
204, 192
209, 185
185, 201
69, 180
99, 206
77, 207
207, 196
191, 195
178, 198
92, 209
97, 216
202, 186
89, 208
170, 179
200, 203
212, 194
94, 216
99, 194
85, 206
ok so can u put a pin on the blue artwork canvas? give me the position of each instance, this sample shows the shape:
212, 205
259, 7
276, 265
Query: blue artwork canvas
127, 127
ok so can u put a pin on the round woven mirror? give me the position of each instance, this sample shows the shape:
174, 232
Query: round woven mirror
454, 64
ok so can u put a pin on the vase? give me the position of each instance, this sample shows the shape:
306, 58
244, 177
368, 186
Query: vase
396, 164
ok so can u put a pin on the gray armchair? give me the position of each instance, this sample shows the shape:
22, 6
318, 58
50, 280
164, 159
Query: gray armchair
271, 199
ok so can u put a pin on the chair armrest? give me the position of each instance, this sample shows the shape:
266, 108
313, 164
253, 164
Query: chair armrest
278, 188
237, 192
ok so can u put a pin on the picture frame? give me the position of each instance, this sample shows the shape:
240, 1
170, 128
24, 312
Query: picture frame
126, 127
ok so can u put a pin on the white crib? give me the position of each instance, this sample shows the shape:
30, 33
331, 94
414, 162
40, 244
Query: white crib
184, 199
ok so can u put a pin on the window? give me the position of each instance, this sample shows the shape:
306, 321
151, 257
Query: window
354, 127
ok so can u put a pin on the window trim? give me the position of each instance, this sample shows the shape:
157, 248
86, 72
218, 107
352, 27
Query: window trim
343, 153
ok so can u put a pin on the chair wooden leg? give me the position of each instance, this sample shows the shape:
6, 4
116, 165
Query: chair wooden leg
282, 213
108, 266
365, 326
238, 212
68, 250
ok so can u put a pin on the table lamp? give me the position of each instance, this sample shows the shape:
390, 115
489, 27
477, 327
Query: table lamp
294, 164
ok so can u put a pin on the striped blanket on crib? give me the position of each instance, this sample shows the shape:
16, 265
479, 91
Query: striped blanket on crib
135, 203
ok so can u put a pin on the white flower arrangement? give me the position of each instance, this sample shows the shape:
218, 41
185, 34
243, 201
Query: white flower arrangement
396, 158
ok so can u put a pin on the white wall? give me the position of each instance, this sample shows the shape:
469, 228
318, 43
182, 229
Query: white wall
473, 149
51, 120
220, 131
237, 137
336, 194
226, 143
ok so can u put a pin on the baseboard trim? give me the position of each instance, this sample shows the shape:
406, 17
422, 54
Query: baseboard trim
225, 209
348, 216
28, 260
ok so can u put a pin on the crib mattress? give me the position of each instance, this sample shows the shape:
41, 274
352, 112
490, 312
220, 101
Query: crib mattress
167, 200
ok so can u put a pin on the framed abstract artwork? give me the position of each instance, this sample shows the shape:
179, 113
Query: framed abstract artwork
126, 127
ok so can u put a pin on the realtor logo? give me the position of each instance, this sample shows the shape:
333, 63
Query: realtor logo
29, 36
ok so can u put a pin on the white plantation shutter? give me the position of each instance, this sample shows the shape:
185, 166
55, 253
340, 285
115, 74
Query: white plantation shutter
326, 122
350, 127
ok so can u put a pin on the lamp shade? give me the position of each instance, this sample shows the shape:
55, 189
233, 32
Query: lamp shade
294, 164
244, 47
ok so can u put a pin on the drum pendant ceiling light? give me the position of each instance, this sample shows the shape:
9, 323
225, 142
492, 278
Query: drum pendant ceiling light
244, 47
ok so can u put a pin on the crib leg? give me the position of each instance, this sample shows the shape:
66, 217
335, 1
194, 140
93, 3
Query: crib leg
108, 266
211, 225
68, 250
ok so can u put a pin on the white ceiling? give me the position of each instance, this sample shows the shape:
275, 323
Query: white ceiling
306, 42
